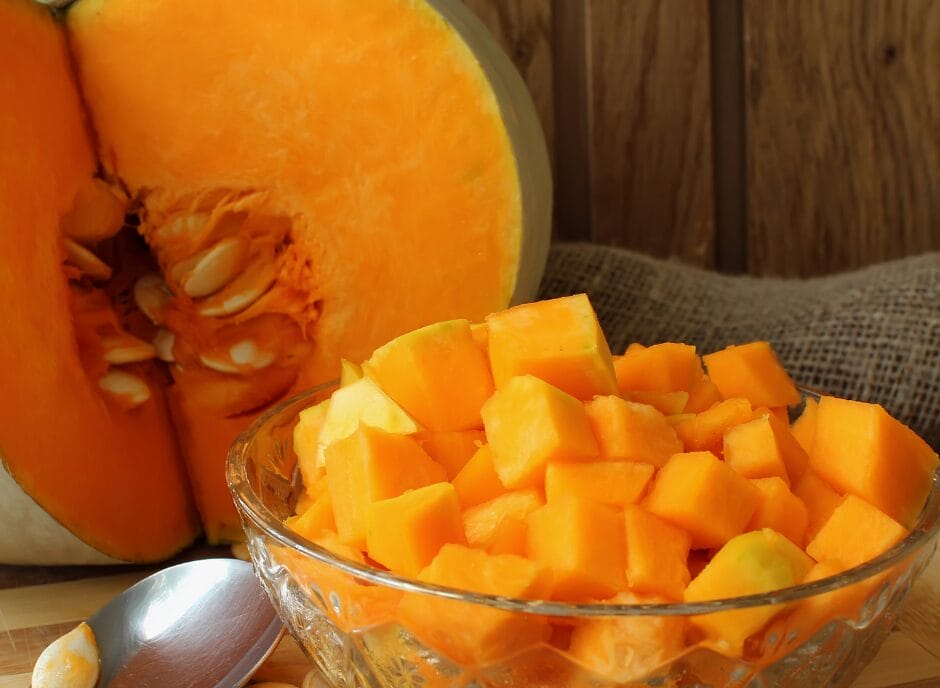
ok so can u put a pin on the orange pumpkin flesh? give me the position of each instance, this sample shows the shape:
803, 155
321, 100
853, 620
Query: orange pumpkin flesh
352, 156
311, 178
113, 478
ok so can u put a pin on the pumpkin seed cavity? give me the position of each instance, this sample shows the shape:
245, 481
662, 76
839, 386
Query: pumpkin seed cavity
212, 308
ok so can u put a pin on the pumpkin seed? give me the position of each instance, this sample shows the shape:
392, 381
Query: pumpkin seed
163, 342
184, 225
219, 365
240, 551
246, 353
213, 268
124, 348
71, 659
87, 262
152, 296
97, 213
129, 388
247, 288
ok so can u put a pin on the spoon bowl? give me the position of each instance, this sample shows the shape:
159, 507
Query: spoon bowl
202, 624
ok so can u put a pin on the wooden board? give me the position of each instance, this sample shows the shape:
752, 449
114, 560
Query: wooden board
34, 615
650, 123
843, 132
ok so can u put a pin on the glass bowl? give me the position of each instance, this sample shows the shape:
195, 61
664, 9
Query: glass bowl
364, 627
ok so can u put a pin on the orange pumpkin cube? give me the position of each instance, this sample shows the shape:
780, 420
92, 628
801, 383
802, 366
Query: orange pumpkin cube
358, 605
817, 610
583, 544
529, 423
624, 650
473, 634
510, 537
405, 533
657, 552
315, 519
854, 533
451, 448
371, 465
559, 341
628, 431
780, 510
705, 431
794, 456
477, 481
754, 372
820, 500
437, 373
667, 403
305, 437
704, 496
481, 335
666, 367
859, 449
703, 395
751, 449
482, 522
616, 483
757, 562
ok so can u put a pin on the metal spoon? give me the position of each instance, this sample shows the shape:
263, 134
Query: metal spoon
202, 624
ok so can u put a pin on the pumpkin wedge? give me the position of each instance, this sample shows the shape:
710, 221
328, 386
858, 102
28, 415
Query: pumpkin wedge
313, 178
91, 472
306, 179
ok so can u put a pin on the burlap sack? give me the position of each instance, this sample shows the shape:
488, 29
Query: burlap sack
872, 335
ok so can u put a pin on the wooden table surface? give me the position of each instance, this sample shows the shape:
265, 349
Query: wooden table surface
38, 605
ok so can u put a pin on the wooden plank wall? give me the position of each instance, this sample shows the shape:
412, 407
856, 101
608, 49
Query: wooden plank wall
785, 137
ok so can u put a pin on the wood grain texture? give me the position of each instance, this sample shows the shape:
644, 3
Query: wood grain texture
843, 117
651, 128
572, 147
524, 28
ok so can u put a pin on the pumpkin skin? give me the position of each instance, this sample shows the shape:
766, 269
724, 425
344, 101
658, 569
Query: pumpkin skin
362, 191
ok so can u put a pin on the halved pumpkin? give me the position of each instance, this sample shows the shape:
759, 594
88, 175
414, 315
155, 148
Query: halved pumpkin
83, 480
311, 178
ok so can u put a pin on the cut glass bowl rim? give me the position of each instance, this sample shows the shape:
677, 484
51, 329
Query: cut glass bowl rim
253, 510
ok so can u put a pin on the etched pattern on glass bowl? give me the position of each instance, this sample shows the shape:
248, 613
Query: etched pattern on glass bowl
350, 618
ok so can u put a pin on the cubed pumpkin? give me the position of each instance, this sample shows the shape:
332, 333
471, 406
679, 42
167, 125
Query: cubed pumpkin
704, 496
474, 634
405, 533
657, 552
854, 533
628, 431
437, 373
859, 448
665, 367
482, 522
780, 510
705, 431
371, 465
529, 423
754, 372
582, 543
559, 341
616, 483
